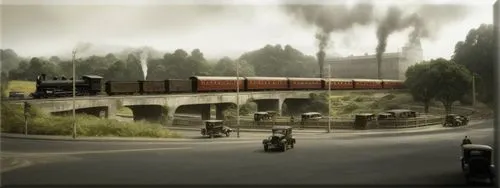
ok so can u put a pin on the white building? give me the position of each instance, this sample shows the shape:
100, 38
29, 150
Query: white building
393, 65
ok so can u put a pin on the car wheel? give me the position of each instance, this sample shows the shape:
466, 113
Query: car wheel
266, 148
227, 134
283, 149
291, 145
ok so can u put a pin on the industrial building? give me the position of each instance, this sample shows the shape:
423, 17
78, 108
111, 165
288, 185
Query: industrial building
393, 65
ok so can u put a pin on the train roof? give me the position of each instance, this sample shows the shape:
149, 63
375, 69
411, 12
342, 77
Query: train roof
305, 79
338, 79
367, 80
266, 78
216, 77
388, 80
92, 76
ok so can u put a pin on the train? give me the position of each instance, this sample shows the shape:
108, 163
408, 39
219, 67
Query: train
90, 85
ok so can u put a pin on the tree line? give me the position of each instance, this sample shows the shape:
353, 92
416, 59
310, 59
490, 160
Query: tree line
268, 61
450, 80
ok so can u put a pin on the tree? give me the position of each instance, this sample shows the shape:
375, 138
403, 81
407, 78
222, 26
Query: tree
438, 79
453, 81
4, 84
420, 83
9, 59
227, 67
477, 54
279, 61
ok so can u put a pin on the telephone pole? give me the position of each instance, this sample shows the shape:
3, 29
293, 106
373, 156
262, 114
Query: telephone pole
238, 98
74, 94
329, 98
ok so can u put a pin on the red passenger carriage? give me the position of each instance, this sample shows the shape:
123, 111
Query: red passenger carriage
212, 83
305, 83
367, 84
266, 83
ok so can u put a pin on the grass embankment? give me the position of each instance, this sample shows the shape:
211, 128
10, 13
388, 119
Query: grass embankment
345, 106
44, 124
26, 87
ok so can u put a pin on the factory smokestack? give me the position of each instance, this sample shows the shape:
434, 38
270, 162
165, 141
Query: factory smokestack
321, 62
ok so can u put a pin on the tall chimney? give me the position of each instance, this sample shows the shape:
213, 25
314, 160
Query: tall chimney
321, 61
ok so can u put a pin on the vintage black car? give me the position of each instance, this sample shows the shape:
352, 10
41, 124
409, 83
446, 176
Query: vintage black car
310, 117
215, 128
281, 138
455, 120
477, 162
364, 120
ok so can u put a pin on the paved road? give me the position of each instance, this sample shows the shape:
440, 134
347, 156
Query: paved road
430, 158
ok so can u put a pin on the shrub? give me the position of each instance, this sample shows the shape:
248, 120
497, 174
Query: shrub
44, 124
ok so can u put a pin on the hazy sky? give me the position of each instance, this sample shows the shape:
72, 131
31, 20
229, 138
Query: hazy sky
217, 28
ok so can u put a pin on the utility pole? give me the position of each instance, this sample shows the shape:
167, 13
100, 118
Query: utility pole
74, 94
473, 89
329, 98
238, 99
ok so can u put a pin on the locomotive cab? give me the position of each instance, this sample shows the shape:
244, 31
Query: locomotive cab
94, 83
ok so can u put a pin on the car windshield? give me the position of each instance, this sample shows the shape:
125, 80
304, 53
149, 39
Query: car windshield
279, 131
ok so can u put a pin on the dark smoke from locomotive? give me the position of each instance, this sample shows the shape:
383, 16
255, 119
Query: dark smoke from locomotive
329, 19
426, 21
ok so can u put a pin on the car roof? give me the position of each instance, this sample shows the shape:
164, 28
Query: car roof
213, 121
477, 146
365, 114
311, 113
281, 127
260, 113
399, 110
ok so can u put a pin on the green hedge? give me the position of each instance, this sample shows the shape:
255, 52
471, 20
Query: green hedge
43, 124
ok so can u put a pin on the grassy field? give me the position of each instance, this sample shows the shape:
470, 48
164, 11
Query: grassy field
345, 106
43, 124
26, 87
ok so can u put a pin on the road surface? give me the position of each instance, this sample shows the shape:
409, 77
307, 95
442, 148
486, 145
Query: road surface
419, 159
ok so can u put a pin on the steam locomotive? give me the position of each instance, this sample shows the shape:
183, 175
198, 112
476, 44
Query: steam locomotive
90, 85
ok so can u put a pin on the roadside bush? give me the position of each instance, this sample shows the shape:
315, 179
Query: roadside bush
44, 124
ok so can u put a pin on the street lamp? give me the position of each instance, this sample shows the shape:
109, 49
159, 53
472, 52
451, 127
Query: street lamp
329, 98
238, 99
74, 94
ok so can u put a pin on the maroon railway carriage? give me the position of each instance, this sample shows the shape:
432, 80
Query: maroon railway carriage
152, 87
265, 83
305, 83
212, 83
122, 87
367, 84
178, 86
338, 84
393, 84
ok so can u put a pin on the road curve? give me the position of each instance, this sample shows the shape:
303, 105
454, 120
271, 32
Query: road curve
418, 159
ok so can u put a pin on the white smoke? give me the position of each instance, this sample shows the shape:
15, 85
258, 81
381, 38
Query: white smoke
144, 63
82, 47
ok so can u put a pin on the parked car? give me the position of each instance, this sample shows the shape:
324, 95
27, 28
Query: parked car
477, 163
215, 128
281, 138
455, 120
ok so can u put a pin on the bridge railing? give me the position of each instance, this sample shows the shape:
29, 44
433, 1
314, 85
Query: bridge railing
323, 124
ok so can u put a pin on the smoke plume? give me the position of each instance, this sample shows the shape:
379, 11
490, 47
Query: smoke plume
144, 63
330, 19
82, 47
426, 22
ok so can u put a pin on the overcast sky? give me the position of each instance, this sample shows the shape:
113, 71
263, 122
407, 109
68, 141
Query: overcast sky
217, 28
